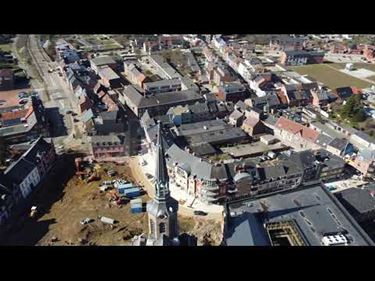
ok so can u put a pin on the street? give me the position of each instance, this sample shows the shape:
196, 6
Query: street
58, 98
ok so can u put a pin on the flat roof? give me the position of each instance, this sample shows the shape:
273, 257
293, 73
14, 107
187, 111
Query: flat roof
10, 98
360, 200
162, 98
212, 131
163, 83
104, 60
252, 148
107, 73
315, 211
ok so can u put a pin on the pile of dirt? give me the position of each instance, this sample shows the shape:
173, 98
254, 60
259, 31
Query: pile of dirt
207, 232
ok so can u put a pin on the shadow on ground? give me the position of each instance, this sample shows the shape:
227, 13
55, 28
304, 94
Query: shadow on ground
27, 231
57, 127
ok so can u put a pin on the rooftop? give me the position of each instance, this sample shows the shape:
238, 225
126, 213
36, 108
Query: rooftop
163, 83
106, 139
104, 60
194, 165
160, 99
340, 144
296, 128
212, 131
106, 72
19, 170
358, 200
313, 209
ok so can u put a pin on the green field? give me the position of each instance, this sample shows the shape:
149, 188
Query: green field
330, 77
356, 65
6, 47
98, 40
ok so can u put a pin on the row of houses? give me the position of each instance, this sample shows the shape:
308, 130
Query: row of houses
25, 124
23, 176
331, 137
218, 182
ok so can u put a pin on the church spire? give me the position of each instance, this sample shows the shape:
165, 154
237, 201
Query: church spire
161, 174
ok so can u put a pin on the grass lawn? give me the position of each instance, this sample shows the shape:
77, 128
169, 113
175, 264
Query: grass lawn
105, 44
6, 47
356, 65
330, 77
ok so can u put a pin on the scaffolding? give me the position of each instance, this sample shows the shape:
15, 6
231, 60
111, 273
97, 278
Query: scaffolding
284, 233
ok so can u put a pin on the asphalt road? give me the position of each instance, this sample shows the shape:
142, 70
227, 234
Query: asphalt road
58, 98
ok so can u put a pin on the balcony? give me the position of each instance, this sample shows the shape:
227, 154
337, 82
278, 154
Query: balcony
210, 188
208, 193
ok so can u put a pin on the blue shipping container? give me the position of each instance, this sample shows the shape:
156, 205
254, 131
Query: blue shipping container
137, 210
132, 192
125, 186
134, 206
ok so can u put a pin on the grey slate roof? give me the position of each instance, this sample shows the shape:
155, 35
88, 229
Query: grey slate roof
323, 140
329, 160
339, 143
160, 99
19, 170
211, 131
38, 147
303, 159
247, 231
198, 107
109, 115
203, 149
104, 60
163, 83
198, 167
364, 136
360, 200
313, 209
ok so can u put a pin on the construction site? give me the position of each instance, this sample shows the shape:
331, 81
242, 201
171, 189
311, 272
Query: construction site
77, 204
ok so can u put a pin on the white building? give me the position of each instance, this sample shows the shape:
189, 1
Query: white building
24, 174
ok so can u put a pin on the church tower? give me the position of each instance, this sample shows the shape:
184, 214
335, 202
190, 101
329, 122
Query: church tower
162, 210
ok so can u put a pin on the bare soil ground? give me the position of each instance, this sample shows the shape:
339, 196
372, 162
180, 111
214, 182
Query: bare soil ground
64, 200
208, 232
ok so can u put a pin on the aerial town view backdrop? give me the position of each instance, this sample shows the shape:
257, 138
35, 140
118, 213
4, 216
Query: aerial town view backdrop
187, 139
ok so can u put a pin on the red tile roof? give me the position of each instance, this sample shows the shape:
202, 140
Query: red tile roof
13, 115
296, 128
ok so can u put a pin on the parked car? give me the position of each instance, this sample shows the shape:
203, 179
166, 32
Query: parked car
86, 221
111, 173
200, 213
